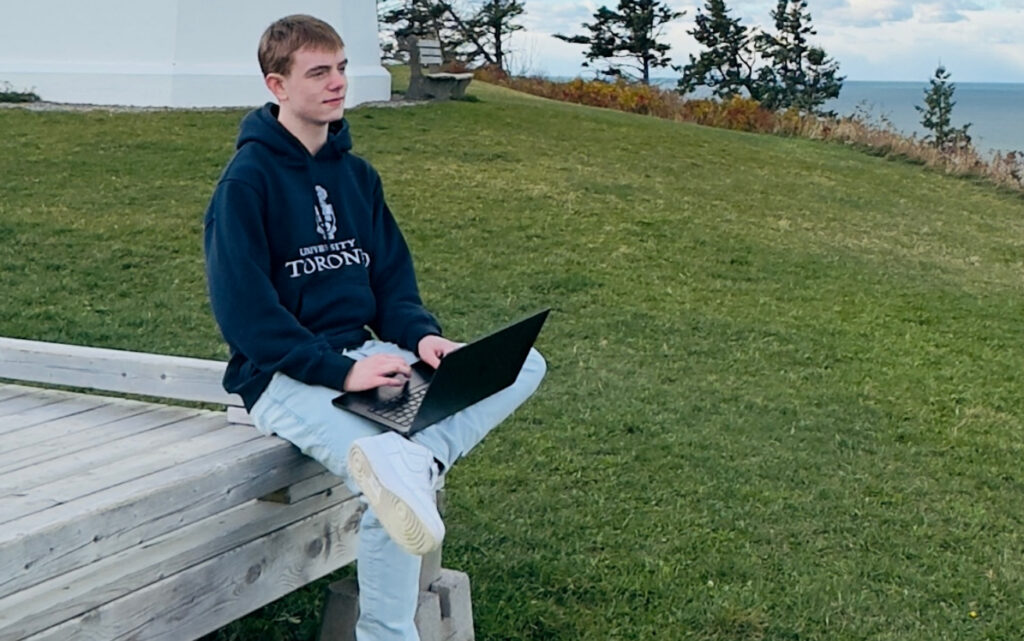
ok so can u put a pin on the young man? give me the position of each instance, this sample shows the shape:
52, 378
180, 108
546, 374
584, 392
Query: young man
303, 256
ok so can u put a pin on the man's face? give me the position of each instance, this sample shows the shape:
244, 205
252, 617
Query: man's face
314, 91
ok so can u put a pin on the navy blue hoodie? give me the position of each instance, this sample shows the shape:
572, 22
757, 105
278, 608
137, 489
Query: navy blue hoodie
302, 255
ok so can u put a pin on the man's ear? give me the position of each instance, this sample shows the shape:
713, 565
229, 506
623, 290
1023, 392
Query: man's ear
275, 83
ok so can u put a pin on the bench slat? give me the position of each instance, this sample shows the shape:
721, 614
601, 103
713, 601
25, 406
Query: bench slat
12, 407
307, 488
172, 440
105, 421
35, 449
46, 414
75, 593
7, 391
177, 377
79, 532
209, 595
430, 52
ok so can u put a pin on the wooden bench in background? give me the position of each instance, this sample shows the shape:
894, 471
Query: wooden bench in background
426, 82
132, 519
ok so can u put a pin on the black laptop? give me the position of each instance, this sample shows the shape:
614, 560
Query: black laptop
469, 374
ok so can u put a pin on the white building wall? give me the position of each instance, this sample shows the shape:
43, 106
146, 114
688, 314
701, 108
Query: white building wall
176, 53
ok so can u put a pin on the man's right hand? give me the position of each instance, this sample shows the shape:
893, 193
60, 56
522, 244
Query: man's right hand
375, 371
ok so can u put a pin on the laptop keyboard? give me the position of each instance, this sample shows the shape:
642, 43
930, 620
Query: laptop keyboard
402, 410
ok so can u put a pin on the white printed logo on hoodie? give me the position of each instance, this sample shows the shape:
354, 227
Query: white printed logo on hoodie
326, 223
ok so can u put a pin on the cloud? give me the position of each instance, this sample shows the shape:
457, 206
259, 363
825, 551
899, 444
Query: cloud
874, 13
869, 13
981, 46
932, 13
946, 10
567, 17
559, 17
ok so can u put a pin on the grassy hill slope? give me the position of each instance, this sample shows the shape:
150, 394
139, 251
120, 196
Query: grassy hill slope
784, 389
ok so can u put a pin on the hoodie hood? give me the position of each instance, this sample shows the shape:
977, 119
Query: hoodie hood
262, 127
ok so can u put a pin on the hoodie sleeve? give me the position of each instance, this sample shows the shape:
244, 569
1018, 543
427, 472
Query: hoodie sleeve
245, 303
401, 317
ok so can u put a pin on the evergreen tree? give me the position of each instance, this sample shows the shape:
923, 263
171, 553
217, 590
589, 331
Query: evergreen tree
937, 112
402, 19
726, 65
484, 34
797, 74
421, 18
629, 33
478, 33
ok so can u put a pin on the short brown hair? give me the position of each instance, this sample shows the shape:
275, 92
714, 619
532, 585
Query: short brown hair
289, 34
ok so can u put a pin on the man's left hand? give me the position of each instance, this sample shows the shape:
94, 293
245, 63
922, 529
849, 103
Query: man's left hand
433, 348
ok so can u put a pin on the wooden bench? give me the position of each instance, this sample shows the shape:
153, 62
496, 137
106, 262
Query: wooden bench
426, 82
134, 519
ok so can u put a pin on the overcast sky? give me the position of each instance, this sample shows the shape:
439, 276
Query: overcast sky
976, 40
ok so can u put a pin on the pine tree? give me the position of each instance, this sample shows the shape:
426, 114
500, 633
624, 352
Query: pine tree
402, 19
797, 74
477, 33
629, 33
483, 36
495, 20
726, 65
937, 112
413, 17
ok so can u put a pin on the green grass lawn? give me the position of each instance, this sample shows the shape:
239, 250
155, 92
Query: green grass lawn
784, 389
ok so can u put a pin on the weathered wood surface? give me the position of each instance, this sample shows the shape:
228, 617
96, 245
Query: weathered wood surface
430, 52
112, 370
95, 588
124, 519
206, 596
307, 488
105, 422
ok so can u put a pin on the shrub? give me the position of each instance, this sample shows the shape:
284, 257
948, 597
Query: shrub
742, 114
8, 94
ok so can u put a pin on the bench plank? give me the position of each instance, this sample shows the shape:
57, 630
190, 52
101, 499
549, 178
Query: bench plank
45, 414
75, 593
178, 377
106, 422
306, 488
11, 407
66, 536
7, 390
211, 594
174, 439
98, 419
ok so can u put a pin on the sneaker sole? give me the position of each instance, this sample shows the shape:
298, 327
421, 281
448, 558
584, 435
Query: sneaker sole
405, 528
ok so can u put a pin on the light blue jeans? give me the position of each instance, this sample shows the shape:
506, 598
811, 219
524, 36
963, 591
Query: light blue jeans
303, 414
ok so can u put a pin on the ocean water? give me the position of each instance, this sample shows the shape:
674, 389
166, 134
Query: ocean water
995, 110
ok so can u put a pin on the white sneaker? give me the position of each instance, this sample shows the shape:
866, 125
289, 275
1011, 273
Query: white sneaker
398, 479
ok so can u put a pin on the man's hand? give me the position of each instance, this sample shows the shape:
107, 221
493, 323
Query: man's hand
433, 348
379, 370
